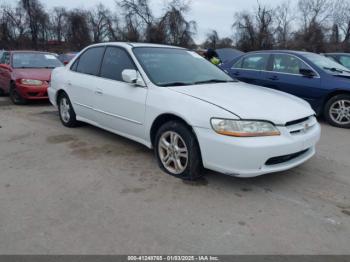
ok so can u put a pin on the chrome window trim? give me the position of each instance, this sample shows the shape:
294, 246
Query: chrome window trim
318, 75
105, 78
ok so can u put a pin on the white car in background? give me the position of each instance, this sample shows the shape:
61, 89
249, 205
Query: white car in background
192, 113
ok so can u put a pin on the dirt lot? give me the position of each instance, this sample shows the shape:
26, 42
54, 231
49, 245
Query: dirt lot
86, 191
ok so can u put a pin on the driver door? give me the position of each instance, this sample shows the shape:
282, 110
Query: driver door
285, 76
119, 106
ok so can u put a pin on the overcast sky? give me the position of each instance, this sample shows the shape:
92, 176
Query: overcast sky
209, 14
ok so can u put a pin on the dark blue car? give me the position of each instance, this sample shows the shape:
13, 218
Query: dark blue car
324, 83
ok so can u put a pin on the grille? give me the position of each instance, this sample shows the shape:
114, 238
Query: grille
282, 159
301, 126
295, 122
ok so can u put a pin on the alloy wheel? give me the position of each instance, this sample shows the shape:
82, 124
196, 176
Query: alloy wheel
340, 112
173, 152
65, 110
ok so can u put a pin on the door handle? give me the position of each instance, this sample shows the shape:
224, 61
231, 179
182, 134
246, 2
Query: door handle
273, 78
236, 73
99, 92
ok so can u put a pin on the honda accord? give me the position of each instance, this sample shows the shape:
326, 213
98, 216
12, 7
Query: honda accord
192, 113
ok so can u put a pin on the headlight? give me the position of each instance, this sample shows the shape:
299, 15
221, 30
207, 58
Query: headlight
244, 128
31, 82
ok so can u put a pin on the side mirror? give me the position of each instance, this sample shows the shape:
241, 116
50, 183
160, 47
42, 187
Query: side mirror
307, 73
5, 66
132, 77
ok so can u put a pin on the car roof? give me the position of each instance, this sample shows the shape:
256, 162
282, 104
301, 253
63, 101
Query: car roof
337, 53
292, 52
28, 51
131, 45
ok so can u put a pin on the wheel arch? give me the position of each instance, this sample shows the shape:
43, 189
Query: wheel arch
330, 95
164, 118
58, 94
335, 93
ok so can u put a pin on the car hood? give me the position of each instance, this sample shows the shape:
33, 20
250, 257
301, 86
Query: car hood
250, 102
33, 73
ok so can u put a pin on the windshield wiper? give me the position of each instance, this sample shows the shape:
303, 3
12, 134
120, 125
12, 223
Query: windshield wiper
333, 69
175, 84
213, 81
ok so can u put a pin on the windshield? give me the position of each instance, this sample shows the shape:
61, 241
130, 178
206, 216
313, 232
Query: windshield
175, 67
35, 60
326, 63
228, 54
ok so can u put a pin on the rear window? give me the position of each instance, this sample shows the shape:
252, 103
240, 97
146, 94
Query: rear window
255, 62
90, 61
35, 60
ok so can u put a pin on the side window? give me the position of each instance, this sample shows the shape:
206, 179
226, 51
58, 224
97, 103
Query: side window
75, 65
90, 60
288, 64
114, 62
345, 61
5, 59
238, 64
255, 62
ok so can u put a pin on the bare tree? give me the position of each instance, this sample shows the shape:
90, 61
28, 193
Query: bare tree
341, 20
177, 29
37, 19
315, 14
100, 23
212, 39
138, 8
255, 30
58, 22
13, 23
138, 19
284, 16
314, 11
78, 32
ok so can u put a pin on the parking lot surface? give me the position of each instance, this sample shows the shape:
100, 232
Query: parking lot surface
87, 191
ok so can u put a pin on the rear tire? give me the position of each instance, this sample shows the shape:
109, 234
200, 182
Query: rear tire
15, 96
337, 111
177, 151
66, 111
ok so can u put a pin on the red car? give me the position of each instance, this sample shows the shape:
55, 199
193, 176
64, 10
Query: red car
25, 75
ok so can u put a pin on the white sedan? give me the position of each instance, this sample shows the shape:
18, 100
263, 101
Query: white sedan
192, 113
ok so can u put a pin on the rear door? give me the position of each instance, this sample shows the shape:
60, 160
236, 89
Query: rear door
119, 106
82, 81
284, 75
249, 68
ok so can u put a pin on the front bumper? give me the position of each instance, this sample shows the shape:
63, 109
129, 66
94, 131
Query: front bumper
32, 92
250, 157
52, 96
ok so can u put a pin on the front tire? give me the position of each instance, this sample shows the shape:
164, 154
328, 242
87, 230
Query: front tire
177, 151
337, 111
15, 96
66, 111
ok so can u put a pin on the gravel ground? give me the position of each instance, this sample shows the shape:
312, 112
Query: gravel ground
87, 191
